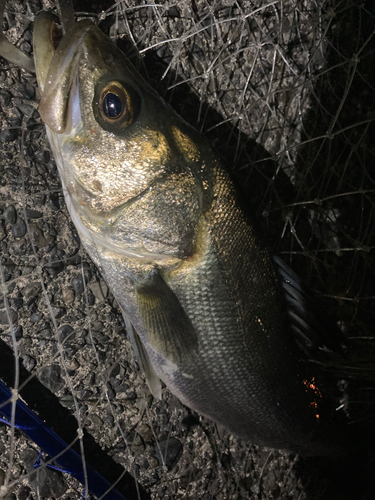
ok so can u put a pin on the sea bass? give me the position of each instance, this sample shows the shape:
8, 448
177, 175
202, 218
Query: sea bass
165, 225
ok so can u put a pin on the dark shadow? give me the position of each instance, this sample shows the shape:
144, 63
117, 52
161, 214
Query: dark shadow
334, 479
341, 163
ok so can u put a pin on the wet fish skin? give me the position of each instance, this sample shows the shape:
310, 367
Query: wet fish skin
163, 222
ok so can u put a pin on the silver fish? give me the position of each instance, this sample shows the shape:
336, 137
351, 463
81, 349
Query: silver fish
163, 222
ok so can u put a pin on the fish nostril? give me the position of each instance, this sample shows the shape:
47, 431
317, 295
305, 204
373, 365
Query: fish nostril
97, 185
56, 34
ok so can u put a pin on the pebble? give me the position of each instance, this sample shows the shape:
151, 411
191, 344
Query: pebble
40, 199
19, 248
28, 362
145, 432
37, 236
153, 462
23, 493
67, 401
9, 265
84, 395
35, 317
27, 91
19, 228
68, 295
98, 326
45, 334
32, 290
18, 332
169, 452
26, 109
33, 214
72, 364
16, 302
8, 135
11, 288
110, 392
45, 482
131, 396
4, 316
5, 98
77, 285
54, 268
95, 420
99, 290
90, 299
26, 49
114, 370
108, 420
14, 121
51, 378
53, 201
42, 156
64, 331
58, 312
10, 214
119, 387
99, 337
2, 232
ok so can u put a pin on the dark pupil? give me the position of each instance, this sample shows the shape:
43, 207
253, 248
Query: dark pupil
112, 105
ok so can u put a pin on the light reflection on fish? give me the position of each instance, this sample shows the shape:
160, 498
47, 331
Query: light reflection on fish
165, 225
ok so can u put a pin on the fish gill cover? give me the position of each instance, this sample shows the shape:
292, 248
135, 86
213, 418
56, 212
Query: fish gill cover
285, 92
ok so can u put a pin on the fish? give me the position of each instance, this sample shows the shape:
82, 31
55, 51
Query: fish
208, 310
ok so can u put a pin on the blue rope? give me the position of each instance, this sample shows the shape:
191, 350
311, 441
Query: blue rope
37, 464
20, 427
50, 443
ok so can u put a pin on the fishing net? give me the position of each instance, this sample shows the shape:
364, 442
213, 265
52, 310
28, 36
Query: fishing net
284, 91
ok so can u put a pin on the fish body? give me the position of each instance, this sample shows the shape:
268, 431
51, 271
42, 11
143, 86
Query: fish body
164, 223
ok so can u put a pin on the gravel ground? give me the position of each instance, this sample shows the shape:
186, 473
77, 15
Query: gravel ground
285, 91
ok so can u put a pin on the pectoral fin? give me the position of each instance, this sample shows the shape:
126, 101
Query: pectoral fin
167, 325
143, 360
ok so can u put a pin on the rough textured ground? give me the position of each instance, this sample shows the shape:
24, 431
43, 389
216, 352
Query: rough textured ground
285, 90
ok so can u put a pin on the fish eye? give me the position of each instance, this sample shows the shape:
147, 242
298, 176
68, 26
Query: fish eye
116, 105
112, 105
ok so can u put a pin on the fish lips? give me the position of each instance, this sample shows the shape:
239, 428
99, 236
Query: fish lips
57, 60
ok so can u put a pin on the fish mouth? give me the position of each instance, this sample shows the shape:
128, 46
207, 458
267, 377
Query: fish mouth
56, 63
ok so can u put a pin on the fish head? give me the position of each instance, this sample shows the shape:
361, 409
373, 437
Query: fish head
118, 146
